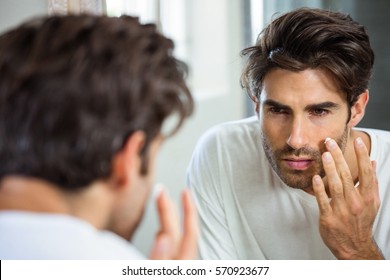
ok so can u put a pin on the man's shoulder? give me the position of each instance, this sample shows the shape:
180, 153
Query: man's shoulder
380, 144
375, 131
57, 236
240, 136
377, 134
233, 129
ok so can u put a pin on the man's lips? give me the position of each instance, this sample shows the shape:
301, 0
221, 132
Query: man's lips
298, 163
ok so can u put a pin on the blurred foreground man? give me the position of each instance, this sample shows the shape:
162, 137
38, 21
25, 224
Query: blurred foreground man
298, 181
83, 100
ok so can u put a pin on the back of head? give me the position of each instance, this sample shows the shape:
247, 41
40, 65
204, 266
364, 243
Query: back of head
312, 39
73, 88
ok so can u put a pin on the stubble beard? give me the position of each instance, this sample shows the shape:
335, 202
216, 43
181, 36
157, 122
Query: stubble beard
299, 179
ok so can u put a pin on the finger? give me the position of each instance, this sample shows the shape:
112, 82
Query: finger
334, 181
189, 249
373, 164
375, 184
162, 248
169, 220
321, 196
342, 168
366, 172
375, 178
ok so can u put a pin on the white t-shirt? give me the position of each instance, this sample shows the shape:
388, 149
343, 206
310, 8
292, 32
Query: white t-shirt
27, 235
246, 210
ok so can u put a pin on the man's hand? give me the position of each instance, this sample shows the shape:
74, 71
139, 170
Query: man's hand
170, 243
346, 219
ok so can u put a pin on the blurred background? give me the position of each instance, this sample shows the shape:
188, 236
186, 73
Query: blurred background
209, 35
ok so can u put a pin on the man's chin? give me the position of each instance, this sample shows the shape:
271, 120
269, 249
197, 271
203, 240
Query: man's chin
301, 181
298, 179
303, 186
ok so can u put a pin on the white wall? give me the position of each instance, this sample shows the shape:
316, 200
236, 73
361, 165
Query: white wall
13, 12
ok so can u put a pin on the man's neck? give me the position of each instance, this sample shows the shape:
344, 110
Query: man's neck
27, 194
34, 195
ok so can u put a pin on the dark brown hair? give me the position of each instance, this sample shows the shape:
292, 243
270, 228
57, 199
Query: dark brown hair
312, 38
73, 88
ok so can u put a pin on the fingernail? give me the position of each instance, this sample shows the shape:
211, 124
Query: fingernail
317, 179
331, 144
359, 142
327, 139
327, 157
163, 245
158, 189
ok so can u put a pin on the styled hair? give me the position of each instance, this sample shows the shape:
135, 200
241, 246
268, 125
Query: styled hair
74, 88
311, 39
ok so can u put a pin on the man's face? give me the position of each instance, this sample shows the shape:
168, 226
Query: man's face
131, 203
298, 110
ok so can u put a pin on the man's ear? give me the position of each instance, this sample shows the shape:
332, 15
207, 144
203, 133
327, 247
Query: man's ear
127, 162
358, 109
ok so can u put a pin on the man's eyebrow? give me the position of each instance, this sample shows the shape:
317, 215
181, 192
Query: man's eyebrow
273, 103
323, 105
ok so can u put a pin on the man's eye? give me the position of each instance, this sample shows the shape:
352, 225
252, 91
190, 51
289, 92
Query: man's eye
276, 110
320, 112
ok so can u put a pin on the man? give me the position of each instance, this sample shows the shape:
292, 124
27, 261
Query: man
83, 100
298, 181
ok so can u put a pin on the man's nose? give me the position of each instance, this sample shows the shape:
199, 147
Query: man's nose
299, 131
